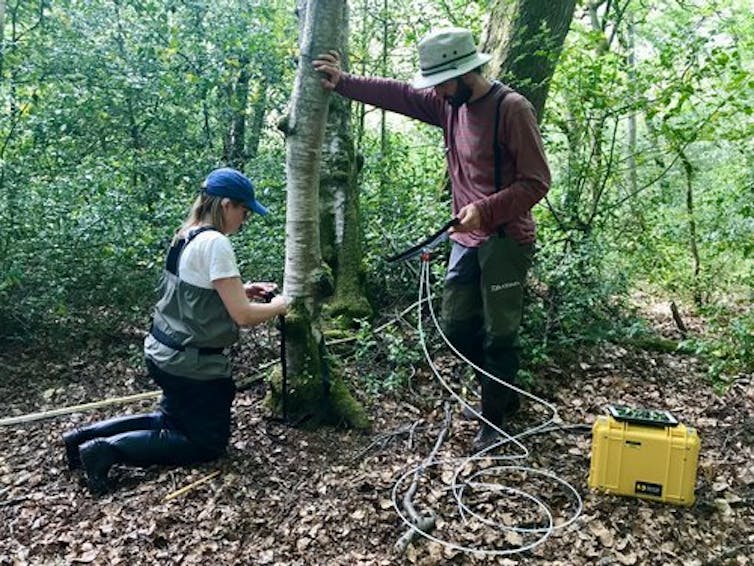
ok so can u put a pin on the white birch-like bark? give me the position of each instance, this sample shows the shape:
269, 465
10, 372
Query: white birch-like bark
337, 155
305, 133
340, 228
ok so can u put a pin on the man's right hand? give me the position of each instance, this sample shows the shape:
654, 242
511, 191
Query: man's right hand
329, 64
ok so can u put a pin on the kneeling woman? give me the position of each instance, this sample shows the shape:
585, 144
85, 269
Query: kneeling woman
202, 304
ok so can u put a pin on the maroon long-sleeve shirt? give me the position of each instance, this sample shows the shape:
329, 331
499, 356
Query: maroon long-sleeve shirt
468, 133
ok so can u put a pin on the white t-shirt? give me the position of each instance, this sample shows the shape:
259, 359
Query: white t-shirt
208, 257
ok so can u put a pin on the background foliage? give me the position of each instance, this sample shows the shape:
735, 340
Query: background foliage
114, 110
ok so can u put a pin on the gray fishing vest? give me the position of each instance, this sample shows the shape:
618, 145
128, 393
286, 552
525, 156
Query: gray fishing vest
190, 325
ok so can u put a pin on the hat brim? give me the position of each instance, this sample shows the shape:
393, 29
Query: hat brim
255, 206
425, 81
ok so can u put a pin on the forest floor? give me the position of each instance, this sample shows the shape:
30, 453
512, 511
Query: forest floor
290, 496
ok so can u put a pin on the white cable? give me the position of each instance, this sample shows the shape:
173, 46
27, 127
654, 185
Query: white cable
460, 484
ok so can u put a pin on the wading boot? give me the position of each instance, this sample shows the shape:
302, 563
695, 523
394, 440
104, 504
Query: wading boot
72, 440
97, 457
104, 429
512, 404
469, 414
486, 437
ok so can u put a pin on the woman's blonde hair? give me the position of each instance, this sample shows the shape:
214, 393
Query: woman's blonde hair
206, 210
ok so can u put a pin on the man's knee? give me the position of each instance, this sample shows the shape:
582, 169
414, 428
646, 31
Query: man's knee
466, 335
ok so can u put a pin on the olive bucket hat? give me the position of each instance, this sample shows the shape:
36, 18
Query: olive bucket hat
445, 54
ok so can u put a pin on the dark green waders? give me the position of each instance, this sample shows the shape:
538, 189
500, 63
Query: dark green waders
482, 308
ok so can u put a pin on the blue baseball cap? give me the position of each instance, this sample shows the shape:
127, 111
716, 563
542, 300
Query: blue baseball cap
227, 182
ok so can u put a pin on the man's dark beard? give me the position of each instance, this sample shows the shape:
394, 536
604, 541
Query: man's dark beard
462, 95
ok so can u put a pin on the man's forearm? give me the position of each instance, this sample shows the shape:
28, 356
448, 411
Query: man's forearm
392, 95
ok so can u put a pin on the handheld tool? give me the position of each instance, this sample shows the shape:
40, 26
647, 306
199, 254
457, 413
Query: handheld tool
426, 245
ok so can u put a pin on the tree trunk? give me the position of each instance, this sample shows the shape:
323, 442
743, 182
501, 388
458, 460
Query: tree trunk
259, 109
633, 182
383, 113
313, 391
696, 284
525, 38
234, 151
340, 220
2, 36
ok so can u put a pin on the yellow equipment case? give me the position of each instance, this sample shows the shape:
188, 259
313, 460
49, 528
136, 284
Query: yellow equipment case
645, 454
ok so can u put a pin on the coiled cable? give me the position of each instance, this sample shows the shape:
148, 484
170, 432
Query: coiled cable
483, 473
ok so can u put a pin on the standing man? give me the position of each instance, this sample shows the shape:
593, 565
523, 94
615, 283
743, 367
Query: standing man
498, 171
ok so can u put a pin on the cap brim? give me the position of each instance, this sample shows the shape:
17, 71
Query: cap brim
426, 81
255, 206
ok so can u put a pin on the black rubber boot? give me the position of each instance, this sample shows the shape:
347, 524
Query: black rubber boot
469, 414
97, 457
162, 447
72, 440
498, 401
486, 437
509, 406
75, 438
138, 448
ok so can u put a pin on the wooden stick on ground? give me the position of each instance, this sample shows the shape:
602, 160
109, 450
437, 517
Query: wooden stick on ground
422, 522
383, 439
189, 487
77, 408
241, 386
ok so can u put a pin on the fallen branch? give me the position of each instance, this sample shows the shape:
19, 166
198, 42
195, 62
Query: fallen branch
31, 417
383, 439
189, 487
424, 523
411, 432
14, 500
678, 320
78, 408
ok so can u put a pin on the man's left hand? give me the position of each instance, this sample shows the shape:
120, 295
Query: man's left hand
469, 219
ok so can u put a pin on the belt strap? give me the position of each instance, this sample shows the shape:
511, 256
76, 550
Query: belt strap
164, 339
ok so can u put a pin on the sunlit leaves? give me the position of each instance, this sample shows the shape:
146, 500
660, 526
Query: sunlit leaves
113, 112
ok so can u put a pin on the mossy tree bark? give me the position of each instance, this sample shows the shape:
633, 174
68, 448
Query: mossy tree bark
525, 38
314, 388
340, 220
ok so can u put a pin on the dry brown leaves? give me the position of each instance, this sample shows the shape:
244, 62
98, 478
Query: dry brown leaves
294, 497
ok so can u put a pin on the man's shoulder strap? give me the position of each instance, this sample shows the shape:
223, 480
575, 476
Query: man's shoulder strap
497, 147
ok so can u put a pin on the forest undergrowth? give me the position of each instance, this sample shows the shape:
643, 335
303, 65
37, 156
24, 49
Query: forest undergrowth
291, 496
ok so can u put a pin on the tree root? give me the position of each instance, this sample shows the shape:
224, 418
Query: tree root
422, 522
384, 439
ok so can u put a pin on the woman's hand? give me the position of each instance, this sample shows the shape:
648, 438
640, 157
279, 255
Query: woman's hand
235, 297
281, 303
259, 291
